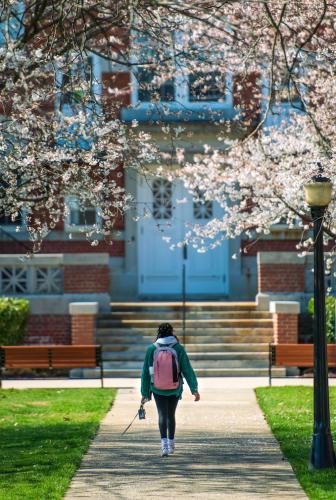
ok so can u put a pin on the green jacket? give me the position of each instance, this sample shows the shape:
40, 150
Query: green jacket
185, 367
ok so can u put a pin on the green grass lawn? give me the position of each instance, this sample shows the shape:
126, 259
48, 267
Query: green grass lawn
289, 412
43, 435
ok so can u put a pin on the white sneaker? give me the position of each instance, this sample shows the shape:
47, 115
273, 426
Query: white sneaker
164, 452
171, 449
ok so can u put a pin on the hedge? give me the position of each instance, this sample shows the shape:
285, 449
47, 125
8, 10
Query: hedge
13, 319
330, 316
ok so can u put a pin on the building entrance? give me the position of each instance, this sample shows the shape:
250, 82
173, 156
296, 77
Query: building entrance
170, 208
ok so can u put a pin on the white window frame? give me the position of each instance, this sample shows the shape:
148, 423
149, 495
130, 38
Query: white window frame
12, 228
181, 87
96, 67
182, 93
79, 228
277, 112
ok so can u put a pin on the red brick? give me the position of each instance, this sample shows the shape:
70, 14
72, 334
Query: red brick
281, 278
86, 279
83, 329
285, 328
116, 249
251, 248
48, 329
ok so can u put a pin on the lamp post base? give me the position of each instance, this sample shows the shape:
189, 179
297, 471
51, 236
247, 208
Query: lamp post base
322, 453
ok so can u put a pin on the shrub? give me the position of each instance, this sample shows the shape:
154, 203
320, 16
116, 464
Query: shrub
330, 316
13, 318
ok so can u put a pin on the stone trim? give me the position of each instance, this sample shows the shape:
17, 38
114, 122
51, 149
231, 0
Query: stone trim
263, 300
59, 304
86, 259
54, 260
21, 260
83, 308
279, 258
284, 307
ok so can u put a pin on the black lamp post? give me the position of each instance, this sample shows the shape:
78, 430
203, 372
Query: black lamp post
318, 196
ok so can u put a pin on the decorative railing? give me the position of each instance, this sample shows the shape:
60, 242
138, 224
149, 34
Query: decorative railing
16, 279
38, 275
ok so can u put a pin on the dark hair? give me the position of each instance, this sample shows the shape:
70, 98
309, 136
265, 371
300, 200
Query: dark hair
165, 330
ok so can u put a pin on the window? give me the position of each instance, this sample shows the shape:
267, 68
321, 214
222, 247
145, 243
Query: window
162, 199
288, 92
184, 97
207, 87
202, 208
10, 224
81, 218
86, 217
7, 220
71, 82
148, 91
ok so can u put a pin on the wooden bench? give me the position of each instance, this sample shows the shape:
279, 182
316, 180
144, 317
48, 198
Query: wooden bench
51, 356
298, 355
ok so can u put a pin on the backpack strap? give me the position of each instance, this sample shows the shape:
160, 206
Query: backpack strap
172, 344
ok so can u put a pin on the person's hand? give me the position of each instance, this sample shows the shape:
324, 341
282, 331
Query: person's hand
143, 400
197, 396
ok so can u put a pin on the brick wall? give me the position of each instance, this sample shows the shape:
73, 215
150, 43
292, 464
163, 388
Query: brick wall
116, 249
83, 329
285, 328
86, 279
116, 93
48, 329
251, 248
247, 95
281, 278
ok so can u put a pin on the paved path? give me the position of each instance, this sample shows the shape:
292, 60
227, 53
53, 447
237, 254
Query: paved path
204, 382
224, 450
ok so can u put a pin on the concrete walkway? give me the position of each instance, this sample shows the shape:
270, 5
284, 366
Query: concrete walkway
224, 449
205, 383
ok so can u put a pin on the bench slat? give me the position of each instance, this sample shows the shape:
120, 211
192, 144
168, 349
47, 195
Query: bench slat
21, 357
50, 356
300, 355
74, 357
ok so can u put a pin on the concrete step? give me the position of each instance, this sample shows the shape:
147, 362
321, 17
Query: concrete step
149, 332
190, 323
177, 306
138, 355
195, 339
221, 347
200, 372
198, 363
176, 314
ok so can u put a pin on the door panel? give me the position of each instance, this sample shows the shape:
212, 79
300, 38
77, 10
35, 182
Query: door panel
205, 272
161, 269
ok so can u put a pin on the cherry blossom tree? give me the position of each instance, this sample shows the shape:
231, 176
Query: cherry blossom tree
279, 136
56, 140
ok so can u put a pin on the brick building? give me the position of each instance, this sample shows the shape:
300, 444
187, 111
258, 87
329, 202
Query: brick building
139, 265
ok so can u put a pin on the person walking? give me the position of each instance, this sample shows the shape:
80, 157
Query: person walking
165, 363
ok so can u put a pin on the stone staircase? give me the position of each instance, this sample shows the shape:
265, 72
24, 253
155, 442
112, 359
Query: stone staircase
222, 338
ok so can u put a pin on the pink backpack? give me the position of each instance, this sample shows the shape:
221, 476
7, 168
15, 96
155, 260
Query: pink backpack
165, 367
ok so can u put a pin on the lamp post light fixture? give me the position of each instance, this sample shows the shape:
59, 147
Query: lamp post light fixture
318, 196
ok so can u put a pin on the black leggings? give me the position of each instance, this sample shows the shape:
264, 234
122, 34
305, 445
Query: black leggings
166, 407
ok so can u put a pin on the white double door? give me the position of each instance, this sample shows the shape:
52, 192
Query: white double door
170, 209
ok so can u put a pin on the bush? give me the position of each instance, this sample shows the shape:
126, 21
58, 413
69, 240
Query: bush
330, 316
13, 319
